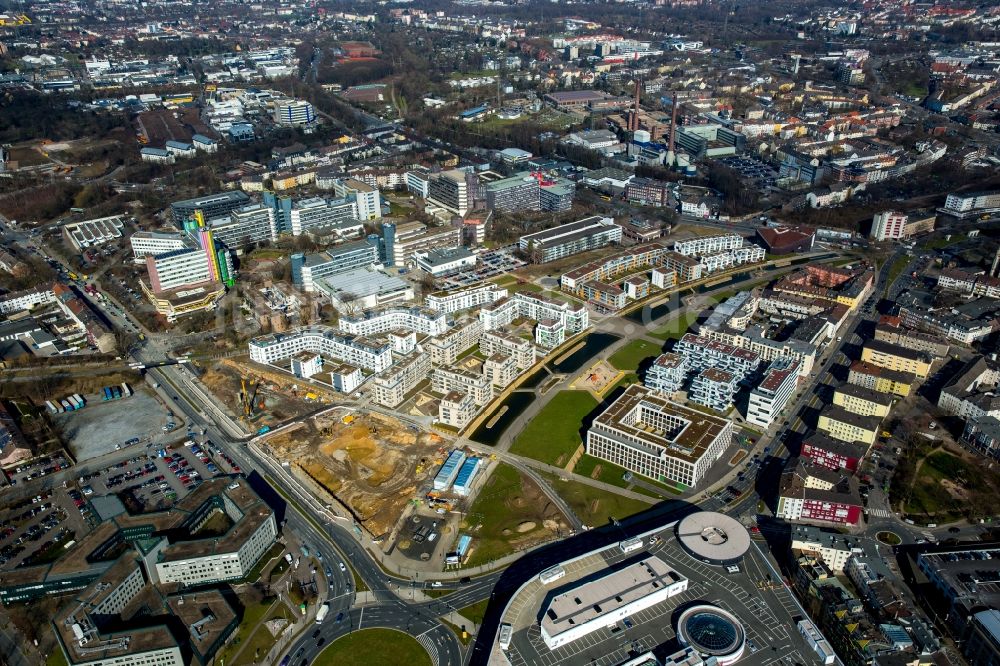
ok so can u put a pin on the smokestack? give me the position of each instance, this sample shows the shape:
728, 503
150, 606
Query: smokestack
996, 264
633, 123
671, 157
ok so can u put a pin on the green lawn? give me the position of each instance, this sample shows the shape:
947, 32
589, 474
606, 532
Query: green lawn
939, 243
896, 270
554, 434
676, 328
464, 640
611, 473
494, 517
258, 644
252, 614
374, 646
630, 356
274, 551
435, 593
56, 658
595, 506
476, 612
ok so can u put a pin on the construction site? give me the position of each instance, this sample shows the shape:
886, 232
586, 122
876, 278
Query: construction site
262, 397
373, 465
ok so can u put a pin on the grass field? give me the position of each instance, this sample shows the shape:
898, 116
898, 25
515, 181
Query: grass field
252, 614
595, 506
476, 612
554, 434
929, 495
630, 356
602, 470
56, 659
374, 646
496, 515
676, 328
261, 641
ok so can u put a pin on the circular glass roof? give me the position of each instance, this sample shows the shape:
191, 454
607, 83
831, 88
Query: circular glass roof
711, 632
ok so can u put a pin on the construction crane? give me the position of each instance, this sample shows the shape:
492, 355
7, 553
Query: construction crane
247, 398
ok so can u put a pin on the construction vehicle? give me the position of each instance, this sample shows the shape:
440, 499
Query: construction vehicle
248, 398
348, 418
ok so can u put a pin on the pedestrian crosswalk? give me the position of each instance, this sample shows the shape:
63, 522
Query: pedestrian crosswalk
879, 513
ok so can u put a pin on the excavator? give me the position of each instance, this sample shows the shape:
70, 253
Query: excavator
248, 398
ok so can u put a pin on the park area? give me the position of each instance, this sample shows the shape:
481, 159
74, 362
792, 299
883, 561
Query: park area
631, 356
553, 436
948, 486
510, 514
374, 646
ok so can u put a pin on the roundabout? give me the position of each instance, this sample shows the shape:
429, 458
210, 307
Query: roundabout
889, 538
374, 646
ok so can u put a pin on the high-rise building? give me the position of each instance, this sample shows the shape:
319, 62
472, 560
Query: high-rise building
888, 225
318, 212
367, 199
294, 113
450, 190
212, 206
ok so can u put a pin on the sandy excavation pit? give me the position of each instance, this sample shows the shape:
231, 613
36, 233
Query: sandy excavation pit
374, 464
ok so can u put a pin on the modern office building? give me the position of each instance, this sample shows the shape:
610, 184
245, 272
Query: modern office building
366, 353
254, 223
465, 298
445, 261
146, 243
308, 269
968, 204
667, 373
383, 320
590, 233
772, 394
888, 225
595, 604
88, 233
367, 199
212, 206
317, 213
363, 289
657, 438
294, 113
399, 245
450, 190
510, 195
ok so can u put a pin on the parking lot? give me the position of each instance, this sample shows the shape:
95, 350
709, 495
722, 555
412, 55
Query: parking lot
491, 264
751, 169
35, 530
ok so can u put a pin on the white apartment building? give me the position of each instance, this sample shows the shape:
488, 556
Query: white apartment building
146, 243
294, 113
657, 438
372, 355
26, 300
456, 409
319, 212
555, 315
391, 387
367, 199
701, 352
714, 388
667, 373
445, 349
500, 370
477, 386
499, 342
464, 299
970, 202
373, 322
769, 399
704, 245
889, 225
